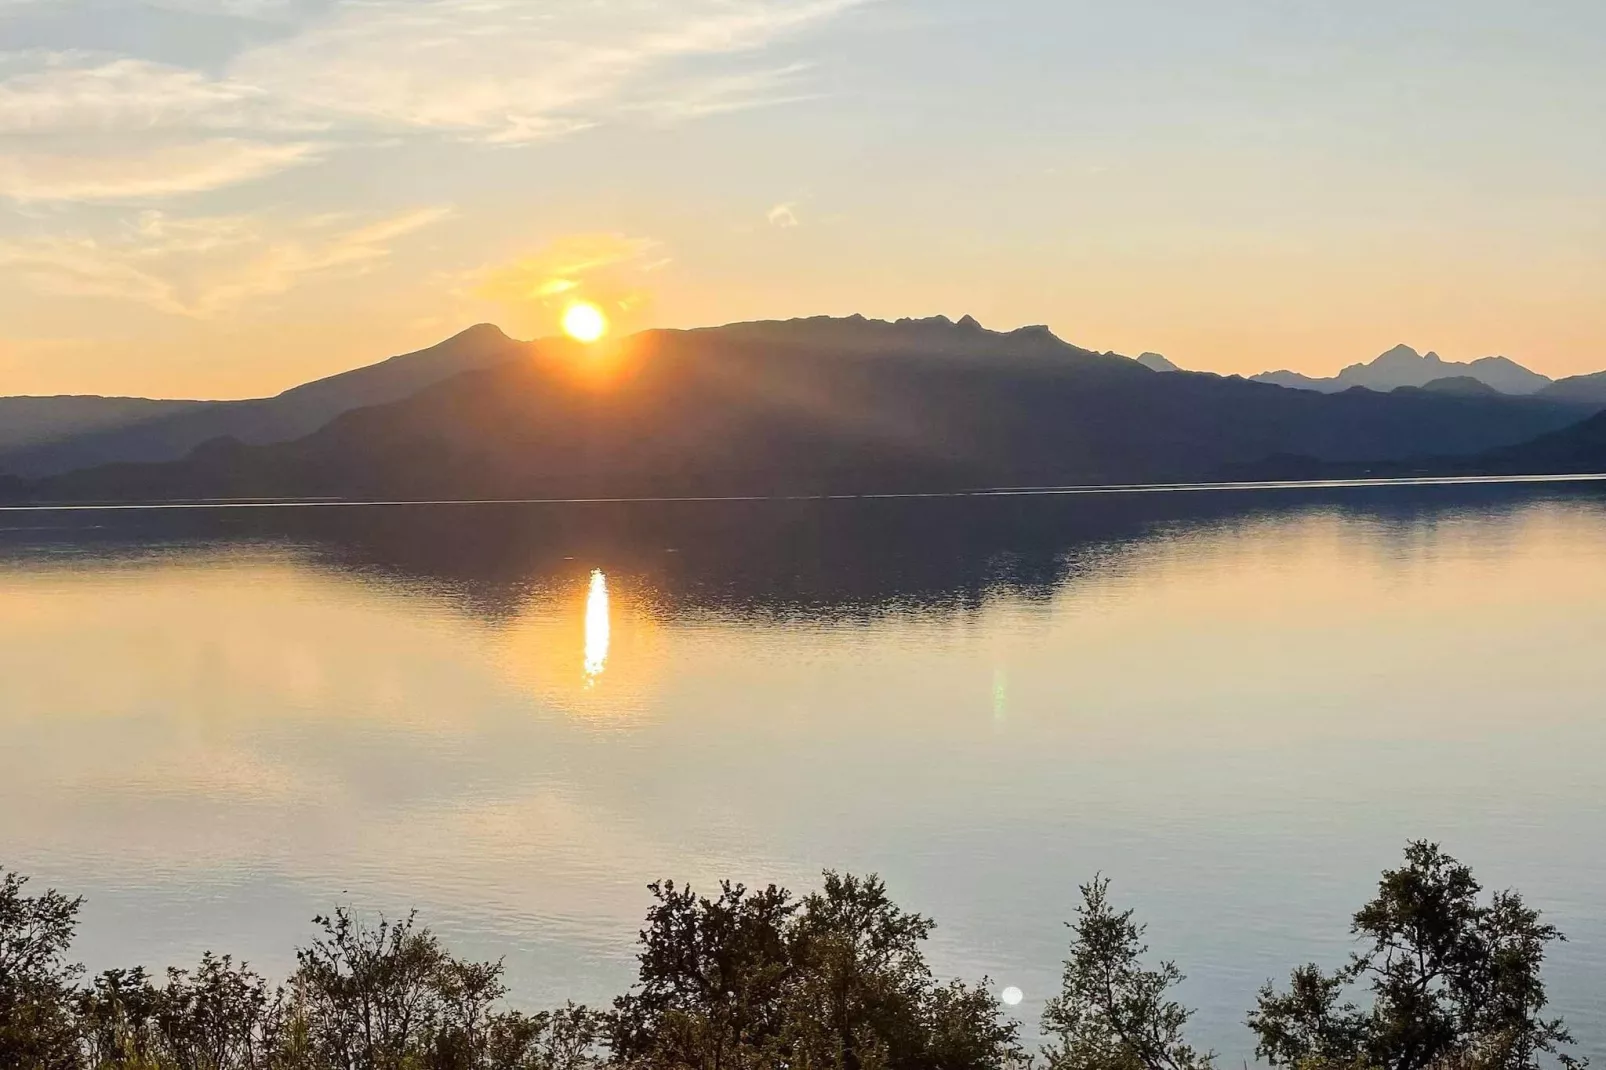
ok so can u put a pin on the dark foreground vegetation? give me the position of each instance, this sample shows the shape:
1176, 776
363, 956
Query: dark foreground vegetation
762, 980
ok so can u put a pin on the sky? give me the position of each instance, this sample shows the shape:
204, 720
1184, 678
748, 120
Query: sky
224, 198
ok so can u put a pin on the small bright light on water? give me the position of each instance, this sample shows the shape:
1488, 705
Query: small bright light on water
584, 322
1012, 996
598, 626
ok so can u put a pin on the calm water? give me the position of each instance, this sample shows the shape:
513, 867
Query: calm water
1238, 705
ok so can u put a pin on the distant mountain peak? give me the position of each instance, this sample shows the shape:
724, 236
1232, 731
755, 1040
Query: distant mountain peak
800, 407
1402, 359
171, 430
932, 336
1496, 362
1156, 362
1404, 366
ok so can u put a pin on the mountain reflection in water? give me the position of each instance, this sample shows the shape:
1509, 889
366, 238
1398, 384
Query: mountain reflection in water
1238, 705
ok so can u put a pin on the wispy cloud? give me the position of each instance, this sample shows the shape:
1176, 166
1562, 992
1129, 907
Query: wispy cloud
76, 126
203, 267
592, 263
126, 174
783, 215
509, 70
73, 93
129, 130
720, 94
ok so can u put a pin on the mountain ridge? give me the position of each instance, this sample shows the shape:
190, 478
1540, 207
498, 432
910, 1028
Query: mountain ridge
1156, 362
818, 405
35, 421
1589, 388
1404, 366
292, 413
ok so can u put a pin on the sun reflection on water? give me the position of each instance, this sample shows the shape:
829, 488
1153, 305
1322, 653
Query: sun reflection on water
598, 626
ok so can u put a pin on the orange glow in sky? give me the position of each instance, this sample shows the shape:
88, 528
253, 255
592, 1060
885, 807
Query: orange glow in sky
194, 211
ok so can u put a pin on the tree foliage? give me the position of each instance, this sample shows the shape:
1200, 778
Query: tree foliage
834, 981
1452, 982
1114, 1013
765, 980
218, 1017
37, 1029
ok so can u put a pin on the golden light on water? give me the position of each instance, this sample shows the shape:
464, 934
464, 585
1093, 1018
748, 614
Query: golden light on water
593, 651
584, 322
598, 626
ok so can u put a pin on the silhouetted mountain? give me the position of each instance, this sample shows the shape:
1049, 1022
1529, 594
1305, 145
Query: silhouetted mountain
817, 406
32, 422
1457, 384
1589, 389
1404, 366
170, 435
1156, 363
1576, 449
1295, 381
931, 337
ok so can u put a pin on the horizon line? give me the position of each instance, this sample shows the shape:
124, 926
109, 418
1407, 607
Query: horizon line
985, 492
558, 337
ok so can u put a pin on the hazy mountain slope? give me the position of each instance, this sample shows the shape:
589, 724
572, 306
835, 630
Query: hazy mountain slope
1404, 366
34, 421
1155, 362
817, 406
1590, 389
1456, 384
290, 415
1295, 381
1579, 448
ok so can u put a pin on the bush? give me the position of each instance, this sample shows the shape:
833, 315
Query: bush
764, 980
836, 980
38, 1029
1453, 983
1112, 1012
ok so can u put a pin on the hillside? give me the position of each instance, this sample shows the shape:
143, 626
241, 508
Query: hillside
1587, 389
33, 422
171, 433
813, 406
1577, 449
1456, 384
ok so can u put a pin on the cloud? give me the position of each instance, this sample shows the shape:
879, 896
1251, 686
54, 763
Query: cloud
269, 10
82, 127
73, 93
717, 95
79, 126
128, 130
127, 174
203, 267
783, 215
510, 70
565, 267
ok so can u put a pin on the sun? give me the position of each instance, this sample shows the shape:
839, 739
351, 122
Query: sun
584, 322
